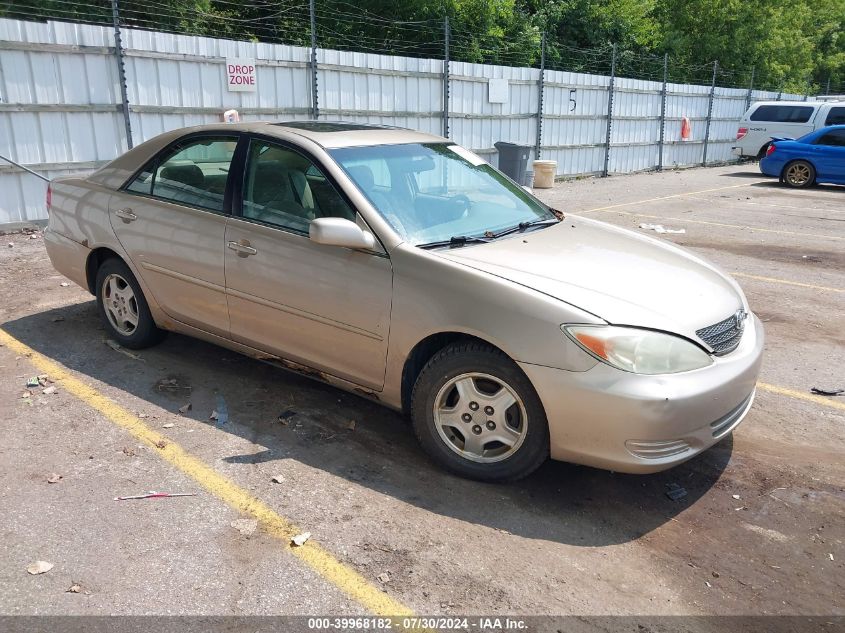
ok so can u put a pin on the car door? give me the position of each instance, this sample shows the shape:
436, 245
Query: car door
323, 306
829, 155
171, 220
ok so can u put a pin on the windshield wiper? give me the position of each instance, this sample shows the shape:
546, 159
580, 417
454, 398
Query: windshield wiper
455, 240
522, 226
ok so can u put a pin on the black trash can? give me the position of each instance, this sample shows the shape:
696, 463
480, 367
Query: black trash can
513, 160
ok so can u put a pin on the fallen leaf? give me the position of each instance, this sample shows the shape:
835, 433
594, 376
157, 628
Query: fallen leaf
128, 451
160, 444
246, 527
383, 577
299, 539
74, 588
351, 425
39, 567
169, 425
185, 408
54, 478
278, 479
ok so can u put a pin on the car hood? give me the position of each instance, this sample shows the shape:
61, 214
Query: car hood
618, 275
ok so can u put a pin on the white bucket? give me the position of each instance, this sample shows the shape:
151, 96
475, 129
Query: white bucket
544, 174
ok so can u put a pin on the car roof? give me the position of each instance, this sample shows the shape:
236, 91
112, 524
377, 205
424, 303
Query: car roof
796, 103
330, 134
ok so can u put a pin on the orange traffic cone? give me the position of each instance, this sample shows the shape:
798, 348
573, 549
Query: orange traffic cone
686, 130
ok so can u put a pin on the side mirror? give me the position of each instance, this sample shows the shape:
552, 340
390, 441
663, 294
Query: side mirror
340, 232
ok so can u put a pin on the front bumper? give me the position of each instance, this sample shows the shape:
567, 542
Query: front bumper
632, 423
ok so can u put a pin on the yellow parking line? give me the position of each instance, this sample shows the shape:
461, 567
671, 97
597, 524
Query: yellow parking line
786, 281
825, 401
674, 195
312, 554
732, 226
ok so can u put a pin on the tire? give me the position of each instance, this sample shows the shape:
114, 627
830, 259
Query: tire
799, 174
453, 411
762, 153
123, 307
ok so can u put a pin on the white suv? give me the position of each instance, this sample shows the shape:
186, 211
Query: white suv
765, 120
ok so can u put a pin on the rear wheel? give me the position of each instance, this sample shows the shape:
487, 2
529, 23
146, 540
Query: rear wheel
476, 413
799, 174
123, 307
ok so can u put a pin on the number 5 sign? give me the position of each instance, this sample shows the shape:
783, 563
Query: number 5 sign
240, 75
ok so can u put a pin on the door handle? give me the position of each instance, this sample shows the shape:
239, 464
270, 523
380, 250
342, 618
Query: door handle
126, 215
242, 248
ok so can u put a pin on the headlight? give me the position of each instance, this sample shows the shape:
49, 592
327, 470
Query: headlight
638, 351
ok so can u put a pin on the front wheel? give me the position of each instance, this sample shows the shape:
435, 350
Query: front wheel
799, 174
123, 306
476, 413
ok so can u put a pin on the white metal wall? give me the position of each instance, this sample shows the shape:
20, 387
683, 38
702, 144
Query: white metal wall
60, 103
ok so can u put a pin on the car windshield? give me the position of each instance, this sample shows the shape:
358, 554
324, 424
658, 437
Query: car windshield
432, 193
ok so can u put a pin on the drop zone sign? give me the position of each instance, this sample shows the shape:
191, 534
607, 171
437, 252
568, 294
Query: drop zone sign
240, 75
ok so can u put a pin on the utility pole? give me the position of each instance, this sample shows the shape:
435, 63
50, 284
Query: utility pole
121, 73
540, 97
663, 112
609, 111
315, 106
709, 113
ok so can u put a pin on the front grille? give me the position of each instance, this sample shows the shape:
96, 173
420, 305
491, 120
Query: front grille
724, 336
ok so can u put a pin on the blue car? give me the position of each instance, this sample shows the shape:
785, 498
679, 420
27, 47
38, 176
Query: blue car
815, 157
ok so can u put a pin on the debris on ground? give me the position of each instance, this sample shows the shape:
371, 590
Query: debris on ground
827, 392
49, 390
185, 408
707, 583
160, 444
170, 384
64, 284
76, 587
675, 492
157, 495
128, 451
26, 394
737, 497
246, 527
41, 380
715, 574
300, 539
221, 413
54, 478
11, 244
119, 348
39, 567
830, 556
286, 415
57, 319
384, 577
659, 228
278, 479
169, 425
351, 425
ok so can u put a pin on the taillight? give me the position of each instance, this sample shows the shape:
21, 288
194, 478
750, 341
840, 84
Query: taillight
741, 132
771, 150
49, 197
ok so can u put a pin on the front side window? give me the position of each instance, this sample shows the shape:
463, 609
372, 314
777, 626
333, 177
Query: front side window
285, 189
193, 173
782, 114
433, 192
835, 138
836, 116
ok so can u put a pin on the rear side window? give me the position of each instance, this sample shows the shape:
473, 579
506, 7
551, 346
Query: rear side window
834, 137
782, 113
193, 173
836, 116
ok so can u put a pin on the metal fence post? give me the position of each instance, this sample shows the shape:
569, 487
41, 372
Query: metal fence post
315, 105
609, 111
709, 113
446, 77
663, 112
121, 73
827, 90
541, 87
750, 90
